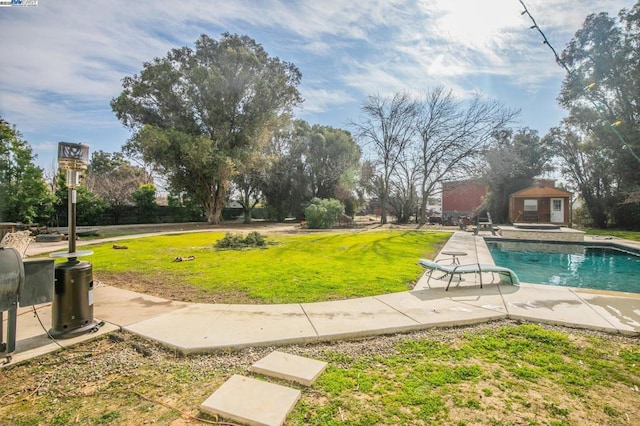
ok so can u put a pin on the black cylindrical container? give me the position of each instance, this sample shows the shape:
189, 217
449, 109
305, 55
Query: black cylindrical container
72, 308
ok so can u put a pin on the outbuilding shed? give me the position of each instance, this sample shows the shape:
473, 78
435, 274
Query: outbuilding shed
540, 204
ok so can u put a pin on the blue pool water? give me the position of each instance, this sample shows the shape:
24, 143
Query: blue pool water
599, 267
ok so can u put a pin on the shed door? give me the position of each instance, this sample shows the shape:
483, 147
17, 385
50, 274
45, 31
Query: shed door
557, 210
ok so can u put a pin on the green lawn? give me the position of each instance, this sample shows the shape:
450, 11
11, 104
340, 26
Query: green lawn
511, 375
627, 235
301, 268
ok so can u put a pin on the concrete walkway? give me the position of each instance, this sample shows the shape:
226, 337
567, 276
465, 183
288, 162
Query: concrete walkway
198, 328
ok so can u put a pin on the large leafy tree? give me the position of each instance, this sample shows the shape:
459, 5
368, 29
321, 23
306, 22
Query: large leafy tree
590, 168
285, 184
331, 155
305, 162
513, 160
23, 193
197, 112
602, 95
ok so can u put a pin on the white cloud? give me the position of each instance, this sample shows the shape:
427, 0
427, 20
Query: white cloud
63, 61
446, 42
45, 146
477, 25
318, 99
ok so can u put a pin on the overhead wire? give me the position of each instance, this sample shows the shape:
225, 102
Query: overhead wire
589, 86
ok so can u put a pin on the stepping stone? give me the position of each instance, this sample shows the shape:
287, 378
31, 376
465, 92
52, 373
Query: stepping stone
251, 402
289, 367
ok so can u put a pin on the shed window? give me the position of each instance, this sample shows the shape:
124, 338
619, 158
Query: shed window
530, 205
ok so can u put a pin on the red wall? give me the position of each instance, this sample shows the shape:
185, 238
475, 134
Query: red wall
462, 196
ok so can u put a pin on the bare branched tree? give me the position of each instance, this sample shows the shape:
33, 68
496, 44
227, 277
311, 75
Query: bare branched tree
114, 180
453, 136
403, 197
387, 128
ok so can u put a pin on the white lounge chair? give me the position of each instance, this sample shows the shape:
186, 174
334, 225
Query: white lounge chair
471, 268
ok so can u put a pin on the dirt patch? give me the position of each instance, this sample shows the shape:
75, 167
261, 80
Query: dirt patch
168, 287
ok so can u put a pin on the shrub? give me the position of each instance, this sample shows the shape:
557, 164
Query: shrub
238, 242
255, 239
323, 213
582, 218
350, 207
627, 215
273, 214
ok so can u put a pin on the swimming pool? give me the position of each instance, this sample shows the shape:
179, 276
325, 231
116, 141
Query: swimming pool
603, 267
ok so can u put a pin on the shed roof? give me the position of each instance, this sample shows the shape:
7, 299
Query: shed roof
541, 192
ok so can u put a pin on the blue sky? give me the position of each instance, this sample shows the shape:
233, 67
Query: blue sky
63, 60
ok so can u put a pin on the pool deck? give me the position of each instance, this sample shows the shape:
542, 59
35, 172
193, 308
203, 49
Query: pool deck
200, 328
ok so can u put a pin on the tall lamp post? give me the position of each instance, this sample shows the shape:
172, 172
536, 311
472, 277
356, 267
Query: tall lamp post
72, 307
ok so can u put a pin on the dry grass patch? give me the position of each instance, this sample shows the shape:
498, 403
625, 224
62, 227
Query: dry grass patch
502, 373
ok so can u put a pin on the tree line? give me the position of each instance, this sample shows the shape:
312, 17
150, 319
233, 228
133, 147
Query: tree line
112, 186
215, 123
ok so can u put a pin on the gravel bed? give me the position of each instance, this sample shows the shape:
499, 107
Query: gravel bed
119, 353
120, 371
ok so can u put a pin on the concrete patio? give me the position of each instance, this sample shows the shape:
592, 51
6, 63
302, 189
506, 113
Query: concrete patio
197, 328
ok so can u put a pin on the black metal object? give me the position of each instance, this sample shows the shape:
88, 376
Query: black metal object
72, 308
73, 156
